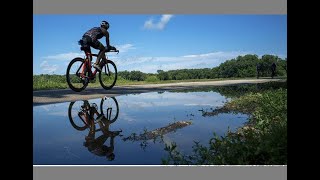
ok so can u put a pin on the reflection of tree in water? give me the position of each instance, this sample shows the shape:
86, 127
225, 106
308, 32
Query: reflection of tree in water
156, 134
214, 112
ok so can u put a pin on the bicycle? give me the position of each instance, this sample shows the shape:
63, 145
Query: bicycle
81, 113
79, 72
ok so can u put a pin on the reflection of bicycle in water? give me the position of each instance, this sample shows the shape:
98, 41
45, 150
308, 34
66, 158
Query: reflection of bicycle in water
83, 115
80, 112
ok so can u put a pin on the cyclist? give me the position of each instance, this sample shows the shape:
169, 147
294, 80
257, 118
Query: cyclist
90, 39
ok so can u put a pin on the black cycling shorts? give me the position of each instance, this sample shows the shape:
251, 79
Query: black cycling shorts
87, 42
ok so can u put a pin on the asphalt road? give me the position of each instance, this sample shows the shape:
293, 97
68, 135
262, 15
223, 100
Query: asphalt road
67, 95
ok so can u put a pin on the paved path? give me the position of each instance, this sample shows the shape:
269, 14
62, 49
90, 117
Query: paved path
67, 95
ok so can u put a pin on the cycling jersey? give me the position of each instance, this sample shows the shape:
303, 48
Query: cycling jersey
95, 33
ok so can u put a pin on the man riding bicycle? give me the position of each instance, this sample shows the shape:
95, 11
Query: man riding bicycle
90, 39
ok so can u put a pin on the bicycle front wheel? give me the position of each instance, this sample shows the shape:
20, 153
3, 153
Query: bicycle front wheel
110, 108
108, 75
74, 80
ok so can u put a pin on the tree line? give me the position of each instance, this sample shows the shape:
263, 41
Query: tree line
242, 66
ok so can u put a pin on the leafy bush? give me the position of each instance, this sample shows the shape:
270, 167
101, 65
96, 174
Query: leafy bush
152, 79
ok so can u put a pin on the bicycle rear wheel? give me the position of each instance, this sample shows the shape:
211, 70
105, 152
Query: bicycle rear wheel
108, 75
74, 115
73, 75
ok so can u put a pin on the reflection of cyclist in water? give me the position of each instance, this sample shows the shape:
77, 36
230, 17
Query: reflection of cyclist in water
96, 145
87, 113
89, 117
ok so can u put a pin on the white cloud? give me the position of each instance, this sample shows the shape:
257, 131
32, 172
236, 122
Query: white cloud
52, 63
134, 102
149, 24
126, 117
125, 47
152, 64
71, 55
64, 56
147, 64
46, 68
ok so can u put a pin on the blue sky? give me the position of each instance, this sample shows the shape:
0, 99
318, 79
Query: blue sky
148, 43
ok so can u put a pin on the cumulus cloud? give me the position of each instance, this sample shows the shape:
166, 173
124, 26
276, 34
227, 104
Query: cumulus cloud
46, 68
160, 25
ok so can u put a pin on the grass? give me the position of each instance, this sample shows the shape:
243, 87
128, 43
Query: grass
44, 83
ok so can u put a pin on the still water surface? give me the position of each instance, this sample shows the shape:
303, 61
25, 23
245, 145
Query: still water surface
61, 138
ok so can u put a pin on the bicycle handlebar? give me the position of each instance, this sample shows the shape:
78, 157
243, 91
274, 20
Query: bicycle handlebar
113, 51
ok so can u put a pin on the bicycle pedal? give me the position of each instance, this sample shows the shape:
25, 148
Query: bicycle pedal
85, 81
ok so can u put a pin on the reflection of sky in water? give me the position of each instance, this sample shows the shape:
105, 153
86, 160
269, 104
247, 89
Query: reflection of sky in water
57, 142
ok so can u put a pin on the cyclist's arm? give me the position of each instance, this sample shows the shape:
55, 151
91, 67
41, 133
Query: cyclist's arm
107, 39
106, 34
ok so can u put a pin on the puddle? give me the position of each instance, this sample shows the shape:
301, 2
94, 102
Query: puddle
128, 129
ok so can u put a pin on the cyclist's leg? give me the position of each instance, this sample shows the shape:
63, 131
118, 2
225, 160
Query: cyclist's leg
91, 135
85, 46
98, 45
